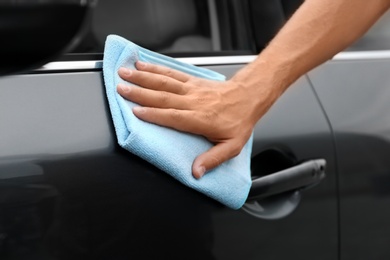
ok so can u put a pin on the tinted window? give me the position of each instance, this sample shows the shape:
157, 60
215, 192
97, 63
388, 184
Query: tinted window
268, 16
171, 26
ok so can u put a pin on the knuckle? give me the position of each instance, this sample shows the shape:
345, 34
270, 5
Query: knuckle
199, 100
151, 110
135, 92
209, 116
150, 113
182, 89
136, 75
163, 98
216, 161
169, 72
163, 81
176, 115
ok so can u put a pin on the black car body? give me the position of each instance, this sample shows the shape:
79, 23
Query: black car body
68, 191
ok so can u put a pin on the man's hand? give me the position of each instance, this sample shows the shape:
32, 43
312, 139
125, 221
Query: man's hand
226, 112
223, 112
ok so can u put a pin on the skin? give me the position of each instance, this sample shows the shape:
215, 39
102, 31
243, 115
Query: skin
220, 111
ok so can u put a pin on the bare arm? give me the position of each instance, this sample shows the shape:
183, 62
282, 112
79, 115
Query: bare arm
220, 111
317, 31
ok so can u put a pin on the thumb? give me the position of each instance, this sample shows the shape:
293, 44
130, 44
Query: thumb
215, 156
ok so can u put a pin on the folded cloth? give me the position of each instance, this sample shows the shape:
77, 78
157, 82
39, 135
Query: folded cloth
170, 150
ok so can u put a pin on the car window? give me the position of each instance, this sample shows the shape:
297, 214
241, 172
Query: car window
201, 27
267, 17
175, 27
377, 38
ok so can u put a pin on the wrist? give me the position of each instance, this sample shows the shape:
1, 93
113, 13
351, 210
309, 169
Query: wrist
262, 83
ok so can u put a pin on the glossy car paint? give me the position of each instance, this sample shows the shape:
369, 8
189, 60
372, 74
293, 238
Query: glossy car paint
355, 95
68, 191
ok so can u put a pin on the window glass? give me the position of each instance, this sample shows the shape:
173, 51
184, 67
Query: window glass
377, 38
268, 17
181, 27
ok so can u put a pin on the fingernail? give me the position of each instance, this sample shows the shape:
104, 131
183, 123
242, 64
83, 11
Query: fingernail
141, 64
201, 171
139, 110
124, 88
125, 72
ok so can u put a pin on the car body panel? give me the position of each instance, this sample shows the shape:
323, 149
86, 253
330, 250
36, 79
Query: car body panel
355, 94
80, 195
68, 191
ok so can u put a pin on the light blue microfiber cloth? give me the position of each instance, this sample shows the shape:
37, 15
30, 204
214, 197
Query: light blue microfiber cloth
170, 150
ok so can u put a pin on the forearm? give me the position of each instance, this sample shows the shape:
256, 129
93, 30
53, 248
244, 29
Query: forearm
315, 33
226, 112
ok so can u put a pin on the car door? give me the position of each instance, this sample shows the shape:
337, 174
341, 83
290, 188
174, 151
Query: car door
67, 190
354, 90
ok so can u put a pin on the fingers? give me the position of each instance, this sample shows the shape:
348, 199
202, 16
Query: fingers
152, 81
175, 74
218, 154
151, 98
186, 121
182, 120
167, 98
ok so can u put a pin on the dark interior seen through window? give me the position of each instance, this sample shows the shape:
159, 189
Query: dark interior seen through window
168, 26
187, 27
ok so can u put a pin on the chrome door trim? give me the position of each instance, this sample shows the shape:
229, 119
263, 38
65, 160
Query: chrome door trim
71, 65
97, 64
362, 55
215, 60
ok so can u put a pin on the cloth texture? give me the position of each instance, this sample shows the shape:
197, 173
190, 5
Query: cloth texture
170, 150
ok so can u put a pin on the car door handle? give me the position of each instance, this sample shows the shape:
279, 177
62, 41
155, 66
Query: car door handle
298, 177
